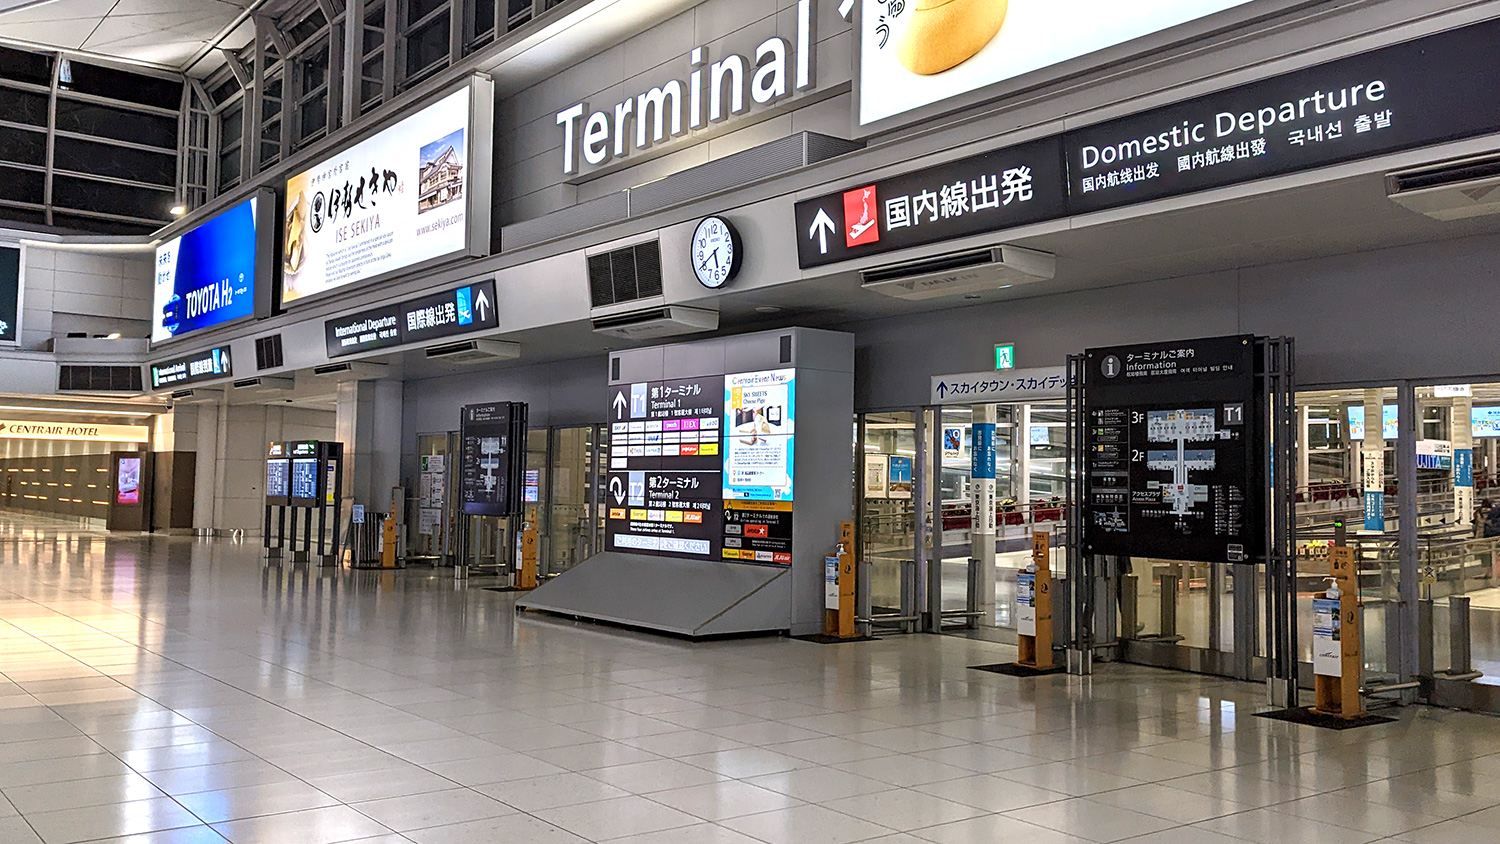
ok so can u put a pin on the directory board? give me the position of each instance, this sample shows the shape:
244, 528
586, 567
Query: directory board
493, 442
1172, 452
703, 468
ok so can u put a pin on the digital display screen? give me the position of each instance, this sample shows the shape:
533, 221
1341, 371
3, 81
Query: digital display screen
277, 478
910, 57
760, 414
305, 479
1388, 426
1486, 421
10, 294
128, 481
207, 275
391, 201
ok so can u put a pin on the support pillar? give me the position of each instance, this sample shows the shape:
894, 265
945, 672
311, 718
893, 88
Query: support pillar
983, 528
369, 425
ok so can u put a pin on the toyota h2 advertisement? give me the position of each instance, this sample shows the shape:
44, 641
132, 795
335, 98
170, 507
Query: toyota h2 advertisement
208, 275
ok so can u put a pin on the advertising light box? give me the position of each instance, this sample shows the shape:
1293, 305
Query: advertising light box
215, 272
128, 481
10, 295
1388, 427
759, 430
1487, 421
917, 52
400, 198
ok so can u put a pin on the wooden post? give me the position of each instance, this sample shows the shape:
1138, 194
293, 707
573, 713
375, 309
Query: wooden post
846, 580
1339, 696
1035, 639
528, 574
388, 542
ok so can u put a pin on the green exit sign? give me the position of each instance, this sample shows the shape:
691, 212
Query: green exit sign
1005, 356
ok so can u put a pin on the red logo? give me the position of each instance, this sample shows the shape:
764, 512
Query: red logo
861, 217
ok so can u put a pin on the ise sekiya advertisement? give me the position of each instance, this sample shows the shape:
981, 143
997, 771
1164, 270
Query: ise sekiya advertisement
408, 195
920, 52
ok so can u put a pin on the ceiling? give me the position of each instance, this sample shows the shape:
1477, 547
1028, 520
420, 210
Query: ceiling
167, 34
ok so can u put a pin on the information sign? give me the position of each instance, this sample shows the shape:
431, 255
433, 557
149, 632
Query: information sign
1026, 604
1014, 385
178, 372
462, 310
1172, 449
493, 440
1328, 658
304, 483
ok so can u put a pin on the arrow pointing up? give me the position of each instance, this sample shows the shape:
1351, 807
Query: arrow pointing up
482, 305
942, 389
822, 227
620, 405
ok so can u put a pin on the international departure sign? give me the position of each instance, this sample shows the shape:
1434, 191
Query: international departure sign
10, 295
462, 310
207, 365
1427, 91
1172, 452
16, 429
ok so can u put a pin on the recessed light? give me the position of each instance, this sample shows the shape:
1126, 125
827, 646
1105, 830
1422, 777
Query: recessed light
971, 296
177, 210
767, 309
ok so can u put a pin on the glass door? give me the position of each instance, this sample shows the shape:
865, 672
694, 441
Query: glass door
888, 499
572, 508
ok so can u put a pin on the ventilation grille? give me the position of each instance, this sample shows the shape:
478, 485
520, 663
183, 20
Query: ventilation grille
100, 379
268, 353
625, 275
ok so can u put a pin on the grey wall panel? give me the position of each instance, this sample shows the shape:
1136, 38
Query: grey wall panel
691, 360
824, 483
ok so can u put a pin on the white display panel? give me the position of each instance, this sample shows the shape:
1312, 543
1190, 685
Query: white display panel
390, 202
916, 52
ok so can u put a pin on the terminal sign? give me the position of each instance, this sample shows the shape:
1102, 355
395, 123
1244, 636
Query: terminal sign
207, 365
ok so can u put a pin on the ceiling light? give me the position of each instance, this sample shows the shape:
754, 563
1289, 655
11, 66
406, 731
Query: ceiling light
177, 210
973, 296
767, 309
112, 336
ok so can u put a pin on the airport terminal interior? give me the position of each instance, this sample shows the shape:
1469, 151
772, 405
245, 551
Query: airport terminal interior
749, 421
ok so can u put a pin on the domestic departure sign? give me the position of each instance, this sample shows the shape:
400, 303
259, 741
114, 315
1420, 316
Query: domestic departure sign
461, 310
1174, 447
1426, 91
997, 190
178, 372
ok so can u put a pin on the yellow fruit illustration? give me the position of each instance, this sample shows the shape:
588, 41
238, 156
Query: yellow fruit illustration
943, 34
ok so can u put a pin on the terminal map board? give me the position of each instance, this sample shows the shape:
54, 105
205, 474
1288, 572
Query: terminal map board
702, 468
493, 443
1174, 446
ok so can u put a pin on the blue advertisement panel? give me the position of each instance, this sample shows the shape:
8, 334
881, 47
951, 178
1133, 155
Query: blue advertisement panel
1375, 511
984, 451
1463, 467
759, 435
207, 276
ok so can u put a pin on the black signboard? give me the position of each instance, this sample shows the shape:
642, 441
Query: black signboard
207, 365
1418, 93
492, 458
10, 294
666, 467
462, 310
1175, 447
758, 532
997, 190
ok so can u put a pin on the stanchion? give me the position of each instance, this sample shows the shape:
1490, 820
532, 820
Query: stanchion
1034, 607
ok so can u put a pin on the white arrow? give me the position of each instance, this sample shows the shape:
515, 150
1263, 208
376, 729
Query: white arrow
822, 227
617, 489
482, 305
620, 405
846, 9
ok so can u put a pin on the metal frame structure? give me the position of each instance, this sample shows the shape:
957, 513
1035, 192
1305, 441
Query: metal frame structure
1277, 362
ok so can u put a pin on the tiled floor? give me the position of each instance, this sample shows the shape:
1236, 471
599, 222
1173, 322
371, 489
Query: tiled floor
167, 691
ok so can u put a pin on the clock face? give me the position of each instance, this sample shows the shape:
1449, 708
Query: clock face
716, 252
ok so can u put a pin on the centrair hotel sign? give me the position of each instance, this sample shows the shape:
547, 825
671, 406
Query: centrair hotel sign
714, 91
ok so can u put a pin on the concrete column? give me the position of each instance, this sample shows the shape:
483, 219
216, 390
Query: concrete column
1373, 473
982, 549
1462, 424
368, 423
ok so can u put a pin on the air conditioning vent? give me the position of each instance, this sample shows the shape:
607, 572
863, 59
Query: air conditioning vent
470, 352
266, 384
197, 396
99, 379
268, 353
655, 323
1453, 190
625, 275
978, 271
356, 371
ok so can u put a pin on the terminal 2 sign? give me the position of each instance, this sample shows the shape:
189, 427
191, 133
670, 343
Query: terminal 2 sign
1427, 91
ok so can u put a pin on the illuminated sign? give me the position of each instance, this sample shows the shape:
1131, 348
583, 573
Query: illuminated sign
216, 272
206, 365
395, 200
12, 429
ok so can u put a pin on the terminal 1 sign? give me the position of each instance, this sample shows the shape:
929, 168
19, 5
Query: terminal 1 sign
1427, 91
